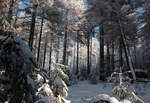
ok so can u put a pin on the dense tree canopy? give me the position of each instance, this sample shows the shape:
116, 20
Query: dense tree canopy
85, 39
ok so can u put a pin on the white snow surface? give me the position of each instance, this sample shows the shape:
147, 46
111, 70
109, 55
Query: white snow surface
84, 91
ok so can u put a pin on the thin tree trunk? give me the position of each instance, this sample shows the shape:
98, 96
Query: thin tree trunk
35, 45
127, 54
120, 53
65, 41
102, 71
32, 29
50, 53
74, 64
39, 43
77, 64
135, 57
91, 54
45, 51
10, 12
113, 59
57, 54
91, 47
65, 47
80, 56
108, 59
88, 54
67, 56
16, 18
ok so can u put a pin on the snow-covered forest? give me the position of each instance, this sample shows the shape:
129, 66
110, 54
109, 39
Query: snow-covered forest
74, 51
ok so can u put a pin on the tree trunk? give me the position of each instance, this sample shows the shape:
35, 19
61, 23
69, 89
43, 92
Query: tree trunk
65, 47
57, 54
77, 64
102, 71
50, 53
113, 58
35, 45
120, 53
32, 27
135, 56
65, 40
10, 12
74, 64
45, 51
88, 54
127, 54
91, 54
39, 43
108, 59
16, 19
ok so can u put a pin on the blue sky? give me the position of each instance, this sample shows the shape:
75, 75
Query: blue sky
24, 4
139, 11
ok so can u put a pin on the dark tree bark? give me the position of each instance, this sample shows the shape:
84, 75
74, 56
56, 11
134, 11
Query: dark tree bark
135, 56
16, 18
80, 55
50, 53
32, 29
10, 12
88, 54
120, 53
126, 51
102, 71
77, 64
57, 54
67, 55
74, 64
39, 43
65, 40
108, 59
113, 58
65, 47
45, 51
91, 54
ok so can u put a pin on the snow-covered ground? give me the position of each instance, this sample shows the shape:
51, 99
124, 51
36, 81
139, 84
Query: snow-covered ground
83, 90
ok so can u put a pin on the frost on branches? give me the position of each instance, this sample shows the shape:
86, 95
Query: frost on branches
22, 82
123, 91
52, 85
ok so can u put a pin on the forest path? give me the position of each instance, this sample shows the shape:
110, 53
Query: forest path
83, 90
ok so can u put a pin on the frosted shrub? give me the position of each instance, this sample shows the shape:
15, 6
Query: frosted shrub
122, 92
122, 89
18, 65
55, 87
22, 82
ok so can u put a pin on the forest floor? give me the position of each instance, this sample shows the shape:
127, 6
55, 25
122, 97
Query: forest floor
80, 92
